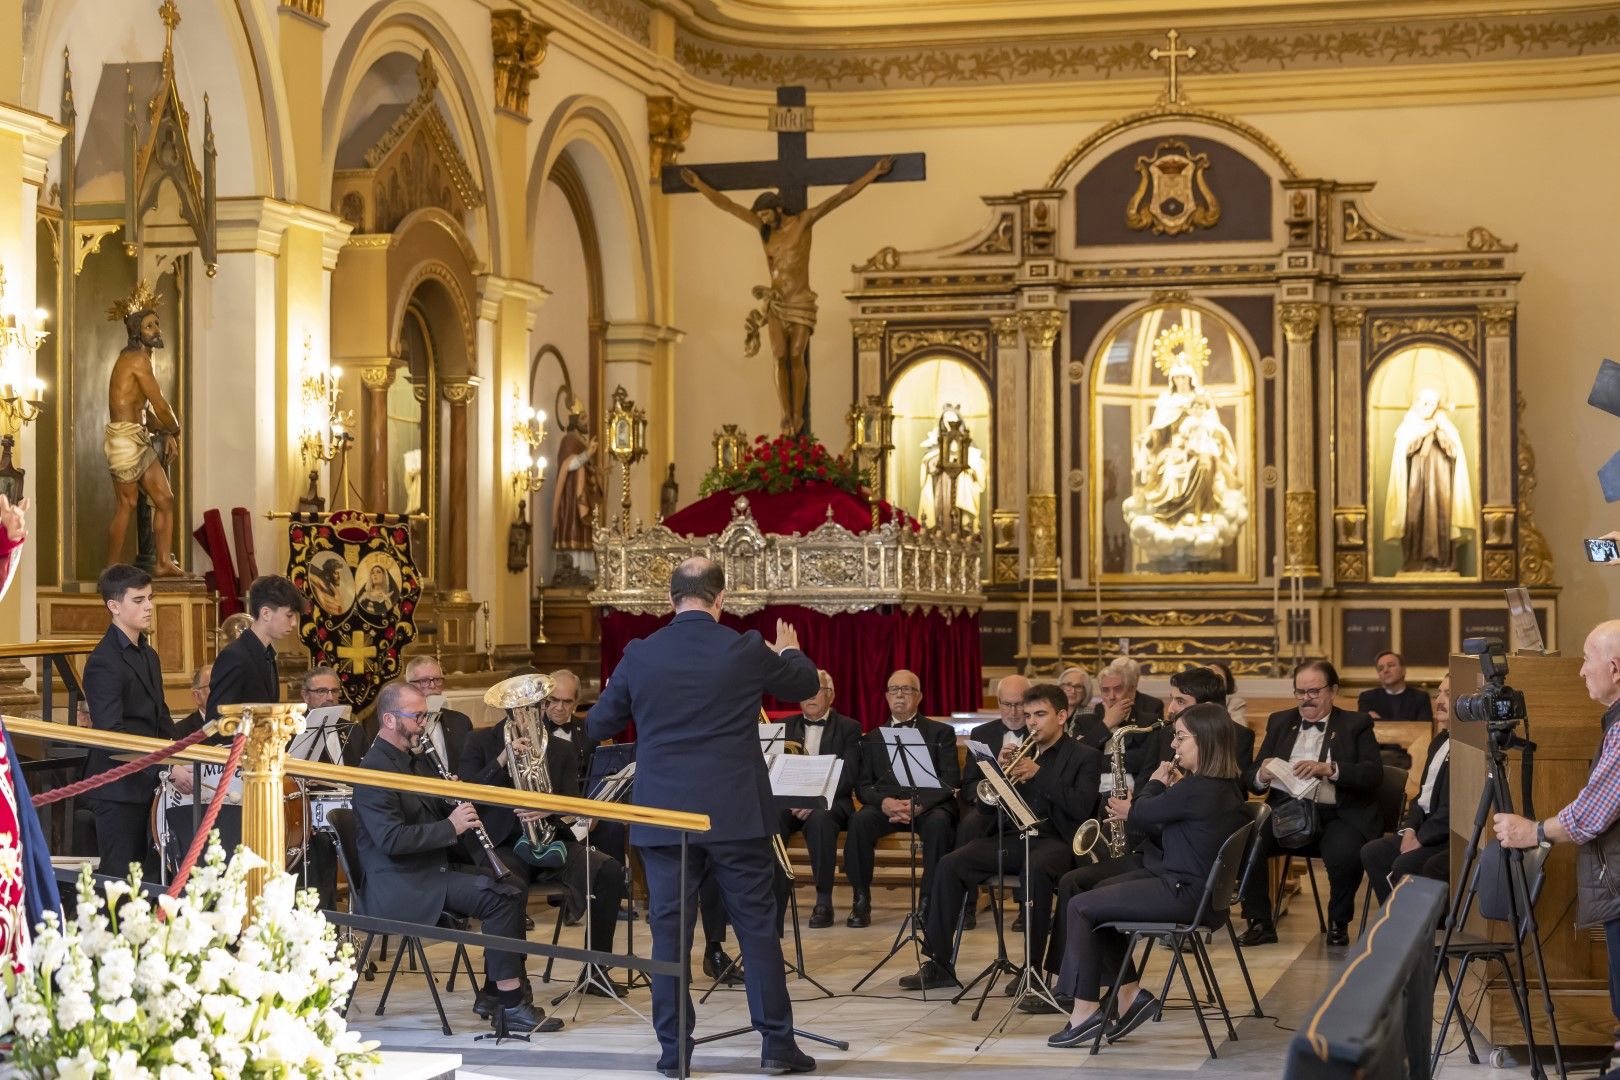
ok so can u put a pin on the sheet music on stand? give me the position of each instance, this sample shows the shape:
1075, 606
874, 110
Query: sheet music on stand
800, 778
323, 735
1022, 816
913, 765
772, 740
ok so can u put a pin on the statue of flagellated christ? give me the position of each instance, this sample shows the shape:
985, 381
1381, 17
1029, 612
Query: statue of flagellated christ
787, 308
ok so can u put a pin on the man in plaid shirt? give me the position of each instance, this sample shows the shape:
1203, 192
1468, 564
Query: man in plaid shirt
1597, 808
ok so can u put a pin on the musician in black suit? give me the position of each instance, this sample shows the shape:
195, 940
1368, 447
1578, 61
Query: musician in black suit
693, 689
1120, 705
1189, 687
593, 874
821, 729
448, 730
1058, 779
1426, 830
1187, 820
979, 821
886, 802
123, 684
404, 841
245, 670
1335, 747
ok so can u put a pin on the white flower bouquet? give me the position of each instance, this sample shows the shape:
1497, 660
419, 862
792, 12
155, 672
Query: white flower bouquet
198, 993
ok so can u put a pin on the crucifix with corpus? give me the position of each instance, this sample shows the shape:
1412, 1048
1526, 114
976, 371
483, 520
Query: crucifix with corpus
784, 219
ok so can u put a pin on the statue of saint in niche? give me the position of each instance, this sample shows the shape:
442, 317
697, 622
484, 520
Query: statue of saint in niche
1187, 499
578, 487
933, 504
1430, 500
142, 434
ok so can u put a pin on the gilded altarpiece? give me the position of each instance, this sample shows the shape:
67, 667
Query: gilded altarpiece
1214, 382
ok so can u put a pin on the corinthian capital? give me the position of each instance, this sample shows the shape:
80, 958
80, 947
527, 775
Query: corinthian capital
669, 125
1300, 321
519, 44
1042, 327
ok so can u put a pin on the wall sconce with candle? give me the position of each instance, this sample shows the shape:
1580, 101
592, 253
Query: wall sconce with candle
326, 430
21, 394
528, 476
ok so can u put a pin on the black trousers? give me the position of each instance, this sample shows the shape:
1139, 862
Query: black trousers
975, 863
821, 831
976, 823
499, 909
1092, 955
1385, 864
1339, 848
743, 871
601, 877
936, 829
1083, 878
124, 836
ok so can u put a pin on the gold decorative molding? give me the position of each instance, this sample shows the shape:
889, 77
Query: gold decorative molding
1358, 230
1482, 239
868, 333
1498, 525
1349, 321
1163, 619
314, 9
669, 125
1299, 532
1497, 319
1535, 557
885, 258
1350, 566
1170, 296
1350, 526
1158, 115
268, 729
1042, 327
458, 392
377, 376
1499, 566
1042, 515
1457, 327
971, 341
1300, 321
1006, 329
519, 45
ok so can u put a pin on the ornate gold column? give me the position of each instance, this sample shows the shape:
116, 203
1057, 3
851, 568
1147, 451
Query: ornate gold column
264, 828
1007, 482
1350, 501
1299, 499
1041, 332
459, 394
375, 379
869, 335
1498, 562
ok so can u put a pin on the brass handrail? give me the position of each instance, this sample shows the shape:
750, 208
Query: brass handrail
352, 777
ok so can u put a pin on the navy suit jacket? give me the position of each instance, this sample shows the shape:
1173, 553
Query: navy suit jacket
123, 685
693, 689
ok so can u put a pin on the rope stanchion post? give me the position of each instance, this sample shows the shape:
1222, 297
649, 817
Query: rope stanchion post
268, 728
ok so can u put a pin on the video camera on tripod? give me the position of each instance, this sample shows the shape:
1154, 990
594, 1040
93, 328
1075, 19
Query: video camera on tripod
1496, 704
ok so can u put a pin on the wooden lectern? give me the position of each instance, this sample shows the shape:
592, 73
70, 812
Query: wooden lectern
1565, 726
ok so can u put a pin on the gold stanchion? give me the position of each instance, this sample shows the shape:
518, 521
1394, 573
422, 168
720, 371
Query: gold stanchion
269, 727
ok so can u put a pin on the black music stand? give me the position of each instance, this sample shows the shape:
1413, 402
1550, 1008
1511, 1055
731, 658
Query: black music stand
908, 759
1002, 964
605, 762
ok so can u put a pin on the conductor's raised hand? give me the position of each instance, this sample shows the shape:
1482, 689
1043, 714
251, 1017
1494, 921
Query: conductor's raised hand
14, 519
786, 637
464, 817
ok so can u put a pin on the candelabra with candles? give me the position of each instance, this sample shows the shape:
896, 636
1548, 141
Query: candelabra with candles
627, 441
21, 395
528, 470
871, 434
328, 429
955, 442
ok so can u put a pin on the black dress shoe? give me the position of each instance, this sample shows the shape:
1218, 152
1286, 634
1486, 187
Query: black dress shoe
1037, 1005
1133, 1017
1259, 932
485, 1003
970, 921
1018, 923
821, 916
717, 965
931, 976
791, 1060
860, 911
1338, 935
524, 1019
668, 1067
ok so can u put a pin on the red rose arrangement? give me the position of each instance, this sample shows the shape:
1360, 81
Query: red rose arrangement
782, 464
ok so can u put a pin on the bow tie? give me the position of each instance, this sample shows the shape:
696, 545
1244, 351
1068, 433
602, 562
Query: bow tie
1313, 725
903, 723
815, 723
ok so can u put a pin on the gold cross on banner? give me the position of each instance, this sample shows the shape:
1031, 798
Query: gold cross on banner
1172, 54
358, 652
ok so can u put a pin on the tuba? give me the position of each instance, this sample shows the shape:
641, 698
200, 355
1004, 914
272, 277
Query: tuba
521, 698
1089, 832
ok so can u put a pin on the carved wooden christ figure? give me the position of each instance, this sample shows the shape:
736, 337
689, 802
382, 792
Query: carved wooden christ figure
787, 308
142, 434
1430, 499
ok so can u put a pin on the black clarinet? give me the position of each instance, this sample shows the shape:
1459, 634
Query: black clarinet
496, 867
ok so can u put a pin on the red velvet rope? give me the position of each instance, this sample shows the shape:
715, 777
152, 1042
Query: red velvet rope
90, 783
209, 816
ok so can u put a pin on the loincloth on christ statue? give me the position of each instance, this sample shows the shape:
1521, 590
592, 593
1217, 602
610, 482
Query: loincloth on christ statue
129, 450
797, 310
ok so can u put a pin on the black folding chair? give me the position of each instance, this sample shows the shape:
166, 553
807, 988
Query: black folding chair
1391, 808
1259, 813
1213, 910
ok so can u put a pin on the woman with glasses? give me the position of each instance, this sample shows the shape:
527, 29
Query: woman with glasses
1186, 812
1334, 751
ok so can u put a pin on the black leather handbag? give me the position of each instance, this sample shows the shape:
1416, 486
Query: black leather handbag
1295, 823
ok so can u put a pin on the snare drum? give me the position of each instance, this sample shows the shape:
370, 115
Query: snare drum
322, 803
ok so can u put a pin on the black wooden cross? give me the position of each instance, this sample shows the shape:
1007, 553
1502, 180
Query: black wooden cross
794, 171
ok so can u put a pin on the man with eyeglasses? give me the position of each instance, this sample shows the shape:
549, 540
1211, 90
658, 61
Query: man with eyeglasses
1004, 733
887, 805
1337, 749
405, 841
447, 729
822, 730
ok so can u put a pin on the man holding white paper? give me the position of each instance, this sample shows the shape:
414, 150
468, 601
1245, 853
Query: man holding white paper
822, 730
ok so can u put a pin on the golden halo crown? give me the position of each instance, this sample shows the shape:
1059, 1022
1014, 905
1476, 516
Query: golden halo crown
1178, 346
144, 298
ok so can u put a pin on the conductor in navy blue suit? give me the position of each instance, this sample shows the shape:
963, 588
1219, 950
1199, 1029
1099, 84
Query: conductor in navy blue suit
693, 690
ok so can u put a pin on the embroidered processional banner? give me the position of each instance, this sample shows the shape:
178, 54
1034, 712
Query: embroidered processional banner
363, 589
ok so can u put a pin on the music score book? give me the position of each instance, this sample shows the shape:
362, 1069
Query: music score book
807, 776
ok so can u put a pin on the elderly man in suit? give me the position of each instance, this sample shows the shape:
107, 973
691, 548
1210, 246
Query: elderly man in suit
1336, 748
404, 841
1426, 831
123, 684
1120, 705
821, 729
448, 730
889, 805
693, 689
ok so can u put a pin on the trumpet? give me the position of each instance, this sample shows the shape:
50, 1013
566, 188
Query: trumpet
987, 793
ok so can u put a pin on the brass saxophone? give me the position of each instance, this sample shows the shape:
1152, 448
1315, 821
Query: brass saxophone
1089, 832
521, 698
